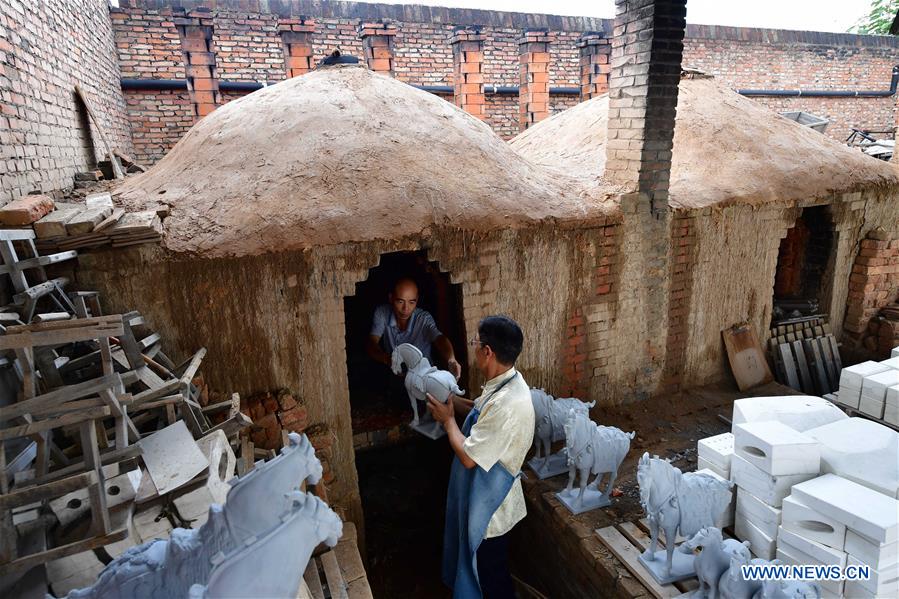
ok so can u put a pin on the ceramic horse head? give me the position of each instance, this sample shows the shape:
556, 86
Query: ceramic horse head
549, 418
714, 559
677, 502
421, 377
788, 589
593, 449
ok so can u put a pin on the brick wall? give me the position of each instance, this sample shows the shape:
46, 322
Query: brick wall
46, 49
872, 285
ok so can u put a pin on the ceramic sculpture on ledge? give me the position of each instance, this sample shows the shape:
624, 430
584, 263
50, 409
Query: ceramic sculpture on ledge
677, 502
550, 416
714, 559
265, 514
591, 449
421, 379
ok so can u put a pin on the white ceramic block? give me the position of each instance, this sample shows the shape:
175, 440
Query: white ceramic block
791, 556
764, 516
760, 544
851, 380
871, 407
717, 450
891, 405
868, 512
727, 517
862, 451
893, 362
894, 353
822, 554
880, 583
800, 412
877, 555
768, 488
875, 386
797, 517
702, 464
776, 448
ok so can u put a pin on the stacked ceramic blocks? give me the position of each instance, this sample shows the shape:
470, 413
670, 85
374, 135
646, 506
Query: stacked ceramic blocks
714, 459
872, 388
834, 521
769, 458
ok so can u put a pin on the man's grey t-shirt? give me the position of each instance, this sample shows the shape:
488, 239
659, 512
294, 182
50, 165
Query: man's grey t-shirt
420, 332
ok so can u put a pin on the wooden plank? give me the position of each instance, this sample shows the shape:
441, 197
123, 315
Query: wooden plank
116, 167
641, 539
32, 494
194, 365
16, 234
312, 580
816, 366
109, 457
100, 523
628, 555
333, 577
60, 332
805, 378
31, 428
833, 376
835, 352
747, 361
59, 396
789, 366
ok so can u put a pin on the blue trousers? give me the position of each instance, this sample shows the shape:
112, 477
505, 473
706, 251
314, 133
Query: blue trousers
493, 568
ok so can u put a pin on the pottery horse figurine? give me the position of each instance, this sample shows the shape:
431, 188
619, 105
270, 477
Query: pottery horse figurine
714, 559
550, 416
592, 449
788, 589
421, 379
677, 502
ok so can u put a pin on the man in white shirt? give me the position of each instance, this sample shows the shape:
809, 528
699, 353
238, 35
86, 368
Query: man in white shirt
485, 500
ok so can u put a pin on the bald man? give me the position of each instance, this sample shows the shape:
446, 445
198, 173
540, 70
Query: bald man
402, 321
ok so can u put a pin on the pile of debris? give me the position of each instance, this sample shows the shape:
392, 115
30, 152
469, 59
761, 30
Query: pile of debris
59, 226
882, 333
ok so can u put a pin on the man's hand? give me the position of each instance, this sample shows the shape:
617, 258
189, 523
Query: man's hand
454, 367
442, 413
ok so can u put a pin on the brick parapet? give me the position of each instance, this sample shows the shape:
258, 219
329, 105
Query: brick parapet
594, 50
195, 30
533, 84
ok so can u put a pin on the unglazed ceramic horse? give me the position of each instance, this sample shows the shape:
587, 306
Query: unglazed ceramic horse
272, 564
732, 585
550, 416
257, 503
677, 502
714, 560
422, 378
788, 589
593, 449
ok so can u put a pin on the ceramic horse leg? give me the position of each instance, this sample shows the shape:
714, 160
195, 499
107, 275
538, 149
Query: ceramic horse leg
546, 446
585, 476
650, 552
414, 409
572, 469
608, 492
670, 537
536, 446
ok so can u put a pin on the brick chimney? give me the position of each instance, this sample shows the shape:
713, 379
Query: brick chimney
594, 64
468, 74
533, 90
195, 30
647, 47
296, 39
377, 45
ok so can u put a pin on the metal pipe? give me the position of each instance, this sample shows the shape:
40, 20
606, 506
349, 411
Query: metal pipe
824, 93
250, 86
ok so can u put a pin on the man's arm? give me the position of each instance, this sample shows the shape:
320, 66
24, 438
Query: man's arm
375, 352
443, 413
445, 348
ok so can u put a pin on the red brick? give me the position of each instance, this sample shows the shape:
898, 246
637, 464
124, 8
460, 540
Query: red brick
26, 210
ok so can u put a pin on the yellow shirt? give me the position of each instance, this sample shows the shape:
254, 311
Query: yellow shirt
503, 433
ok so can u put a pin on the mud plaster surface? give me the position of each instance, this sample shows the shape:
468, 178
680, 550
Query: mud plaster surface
344, 154
727, 149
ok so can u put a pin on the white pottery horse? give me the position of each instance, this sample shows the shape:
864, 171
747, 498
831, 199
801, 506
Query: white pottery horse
422, 378
677, 502
593, 449
788, 589
732, 585
550, 416
714, 559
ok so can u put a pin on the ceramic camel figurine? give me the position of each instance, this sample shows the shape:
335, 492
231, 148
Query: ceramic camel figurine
676, 502
591, 449
549, 426
422, 379
714, 559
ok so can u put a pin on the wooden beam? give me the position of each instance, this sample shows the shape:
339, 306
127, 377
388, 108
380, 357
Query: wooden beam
116, 167
32, 494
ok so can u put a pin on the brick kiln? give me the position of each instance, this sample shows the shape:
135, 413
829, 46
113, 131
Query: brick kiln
281, 202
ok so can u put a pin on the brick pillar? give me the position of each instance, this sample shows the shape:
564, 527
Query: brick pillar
296, 38
377, 45
594, 64
195, 30
645, 73
468, 73
533, 91
643, 94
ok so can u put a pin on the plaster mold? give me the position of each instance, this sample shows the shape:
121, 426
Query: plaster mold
776, 449
591, 449
550, 417
677, 503
799, 412
812, 524
423, 379
768, 488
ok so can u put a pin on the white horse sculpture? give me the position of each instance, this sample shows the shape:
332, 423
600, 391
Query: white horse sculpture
677, 502
421, 379
549, 426
592, 449
714, 559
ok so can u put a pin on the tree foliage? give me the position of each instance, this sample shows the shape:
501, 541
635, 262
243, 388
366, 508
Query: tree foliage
879, 18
